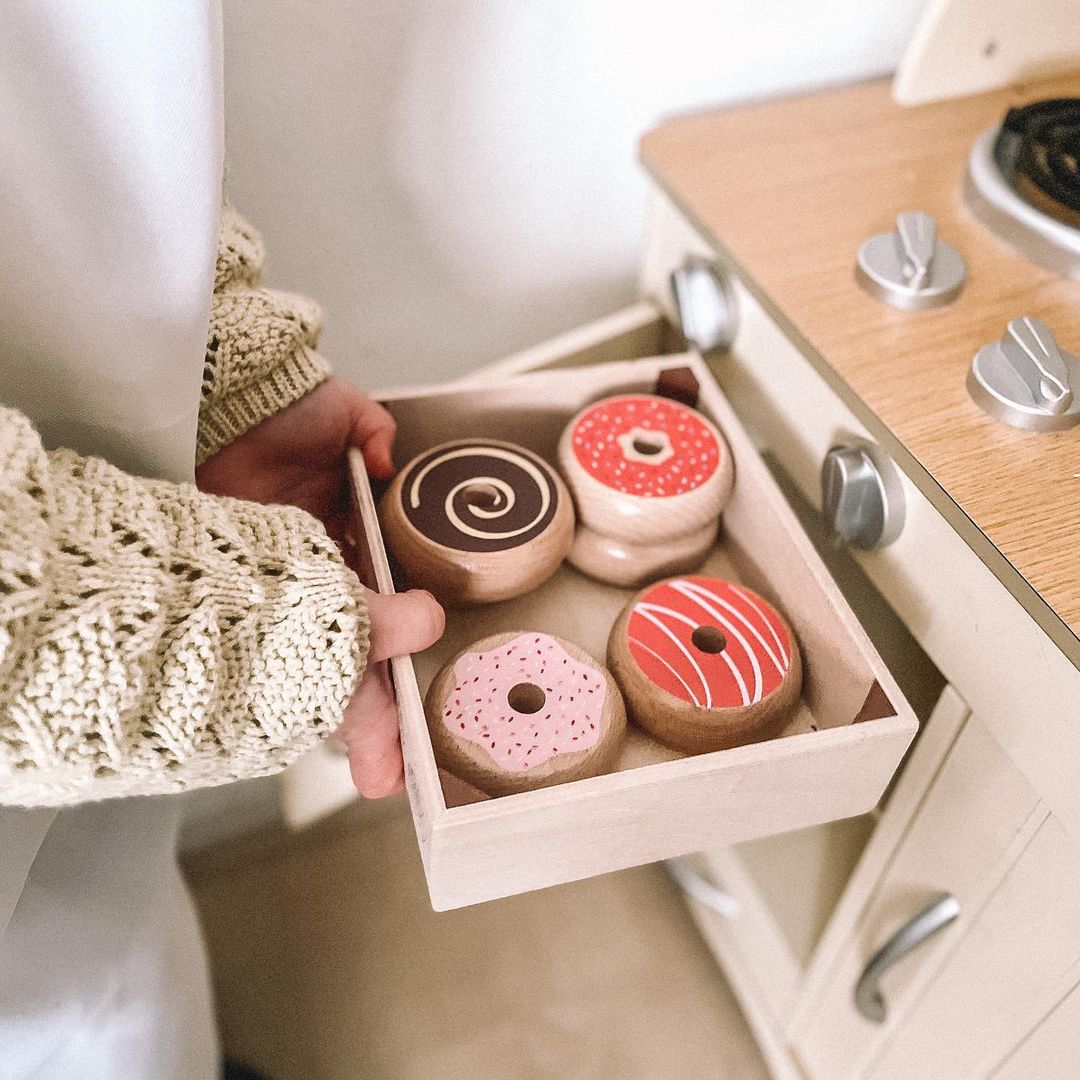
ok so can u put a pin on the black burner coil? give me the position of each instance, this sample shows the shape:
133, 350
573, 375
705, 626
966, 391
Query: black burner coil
1044, 146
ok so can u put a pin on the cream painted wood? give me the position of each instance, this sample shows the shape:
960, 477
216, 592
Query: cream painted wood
935, 741
755, 986
638, 330
801, 876
642, 814
1048, 1047
959, 612
1018, 958
976, 820
967, 46
761, 952
757, 943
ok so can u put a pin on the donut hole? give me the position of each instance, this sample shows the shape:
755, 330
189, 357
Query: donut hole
708, 639
526, 697
648, 445
482, 496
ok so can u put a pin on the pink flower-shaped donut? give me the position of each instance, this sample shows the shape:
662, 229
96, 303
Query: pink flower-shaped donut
525, 710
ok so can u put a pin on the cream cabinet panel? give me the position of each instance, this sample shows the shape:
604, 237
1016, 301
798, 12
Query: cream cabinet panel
1015, 960
974, 822
1049, 1050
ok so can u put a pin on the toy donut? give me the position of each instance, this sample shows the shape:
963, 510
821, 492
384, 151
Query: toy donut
519, 711
649, 477
476, 520
705, 664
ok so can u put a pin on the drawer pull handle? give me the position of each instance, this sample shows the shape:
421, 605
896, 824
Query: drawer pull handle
701, 889
941, 911
705, 304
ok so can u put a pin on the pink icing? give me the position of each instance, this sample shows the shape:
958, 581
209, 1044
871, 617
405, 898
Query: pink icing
477, 708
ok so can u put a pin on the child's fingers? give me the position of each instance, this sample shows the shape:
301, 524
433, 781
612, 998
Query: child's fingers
403, 623
370, 733
373, 431
378, 454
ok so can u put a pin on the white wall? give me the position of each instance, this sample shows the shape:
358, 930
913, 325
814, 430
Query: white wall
454, 179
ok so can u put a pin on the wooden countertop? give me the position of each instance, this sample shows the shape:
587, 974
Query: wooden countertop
788, 190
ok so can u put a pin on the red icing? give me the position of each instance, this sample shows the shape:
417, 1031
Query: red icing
477, 708
695, 449
751, 666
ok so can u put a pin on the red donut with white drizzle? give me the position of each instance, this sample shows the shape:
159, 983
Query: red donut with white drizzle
705, 664
650, 477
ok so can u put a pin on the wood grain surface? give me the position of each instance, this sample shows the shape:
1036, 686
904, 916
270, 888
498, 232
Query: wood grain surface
788, 190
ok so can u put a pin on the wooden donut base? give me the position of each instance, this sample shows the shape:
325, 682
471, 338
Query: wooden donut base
466, 578
640, 521
630, 566
471, 763
691, 728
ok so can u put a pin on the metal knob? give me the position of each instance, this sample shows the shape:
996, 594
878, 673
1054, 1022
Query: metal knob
941, 911
705, 304
912, 268
862, 499
1026, 380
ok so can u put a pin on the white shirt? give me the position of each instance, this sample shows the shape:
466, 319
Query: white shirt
110, 186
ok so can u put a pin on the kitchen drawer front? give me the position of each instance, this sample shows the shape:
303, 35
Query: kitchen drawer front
974, 823
1017, 958
794, 901
960, 613
657, 804
743, 936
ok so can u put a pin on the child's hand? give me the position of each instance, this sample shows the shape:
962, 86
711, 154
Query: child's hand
401, 624
299, 456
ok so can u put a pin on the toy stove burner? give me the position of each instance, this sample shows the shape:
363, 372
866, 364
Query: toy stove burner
1023, 182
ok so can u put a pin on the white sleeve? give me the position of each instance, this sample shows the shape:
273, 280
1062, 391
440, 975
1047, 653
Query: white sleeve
110, 186
110, 189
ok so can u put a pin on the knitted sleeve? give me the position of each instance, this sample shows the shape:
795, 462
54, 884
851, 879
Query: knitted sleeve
260, 354
153, 638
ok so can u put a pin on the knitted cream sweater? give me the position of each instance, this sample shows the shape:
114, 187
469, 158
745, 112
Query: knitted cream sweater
153, 638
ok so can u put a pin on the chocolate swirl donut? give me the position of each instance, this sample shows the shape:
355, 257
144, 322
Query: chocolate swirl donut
475, 495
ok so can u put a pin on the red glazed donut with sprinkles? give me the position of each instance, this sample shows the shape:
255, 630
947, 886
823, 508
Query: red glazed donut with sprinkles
705, 664
649, 477
524, 710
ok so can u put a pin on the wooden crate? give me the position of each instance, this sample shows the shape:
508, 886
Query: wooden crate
833, 760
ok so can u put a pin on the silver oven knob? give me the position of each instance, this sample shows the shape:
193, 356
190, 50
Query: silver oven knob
1026, 379
911, 268
862, 500
705, 304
